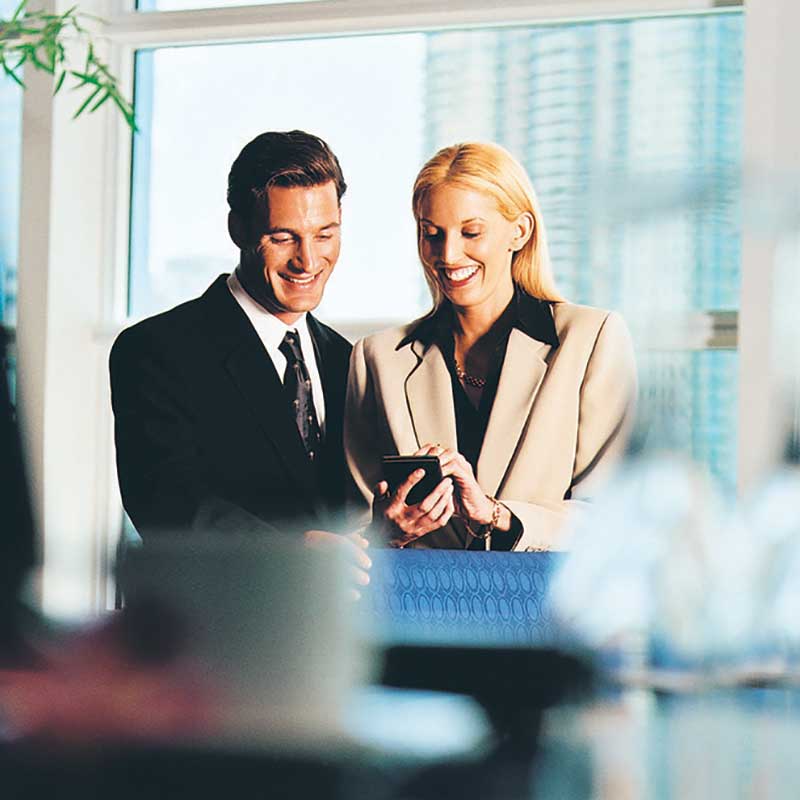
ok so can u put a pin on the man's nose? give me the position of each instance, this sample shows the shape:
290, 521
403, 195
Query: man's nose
306, 256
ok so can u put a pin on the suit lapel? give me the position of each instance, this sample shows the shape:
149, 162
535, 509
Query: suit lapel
523, 370
429, 394
254, 374
333, 374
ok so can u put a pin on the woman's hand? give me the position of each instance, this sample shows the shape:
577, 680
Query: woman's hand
470, 501
408, 523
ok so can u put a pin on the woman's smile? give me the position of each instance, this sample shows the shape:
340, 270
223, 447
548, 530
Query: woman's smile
456, 277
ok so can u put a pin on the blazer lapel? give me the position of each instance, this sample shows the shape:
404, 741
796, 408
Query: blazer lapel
253, 372
429, 394
523, 370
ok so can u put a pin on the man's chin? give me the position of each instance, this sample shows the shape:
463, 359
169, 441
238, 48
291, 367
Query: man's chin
299, 305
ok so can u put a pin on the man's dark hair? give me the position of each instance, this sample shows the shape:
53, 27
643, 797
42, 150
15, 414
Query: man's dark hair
295, 158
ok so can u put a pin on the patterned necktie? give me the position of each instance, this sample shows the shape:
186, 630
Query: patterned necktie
297, 385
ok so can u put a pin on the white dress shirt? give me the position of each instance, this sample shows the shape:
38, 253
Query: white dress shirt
271, 331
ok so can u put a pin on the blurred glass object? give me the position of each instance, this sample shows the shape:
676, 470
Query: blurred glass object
772, 515
637, 746
444, 725
267, 623
654, 575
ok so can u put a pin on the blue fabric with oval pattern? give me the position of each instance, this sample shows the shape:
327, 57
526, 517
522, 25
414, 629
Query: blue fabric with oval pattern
459, 597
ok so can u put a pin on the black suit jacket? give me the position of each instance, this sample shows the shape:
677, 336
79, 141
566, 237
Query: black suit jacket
204, 433
17, 552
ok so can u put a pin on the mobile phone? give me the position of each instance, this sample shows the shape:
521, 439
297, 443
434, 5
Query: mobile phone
397, 468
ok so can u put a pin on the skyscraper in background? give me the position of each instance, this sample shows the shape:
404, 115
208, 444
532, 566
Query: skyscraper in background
631, 132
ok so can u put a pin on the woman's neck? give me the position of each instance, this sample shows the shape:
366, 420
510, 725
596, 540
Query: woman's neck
476, 323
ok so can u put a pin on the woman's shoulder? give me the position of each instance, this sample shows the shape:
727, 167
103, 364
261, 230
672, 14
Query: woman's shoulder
576, 319
389, 339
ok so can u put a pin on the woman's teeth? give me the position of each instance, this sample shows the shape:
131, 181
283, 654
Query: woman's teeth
460, 274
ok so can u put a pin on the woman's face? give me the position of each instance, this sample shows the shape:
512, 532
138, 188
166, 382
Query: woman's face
466, 245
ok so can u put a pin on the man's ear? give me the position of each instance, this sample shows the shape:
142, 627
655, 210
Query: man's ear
524, 226
238, 231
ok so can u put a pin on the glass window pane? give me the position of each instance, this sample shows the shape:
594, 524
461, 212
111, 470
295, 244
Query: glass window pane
10, 165
689, 402
630, 130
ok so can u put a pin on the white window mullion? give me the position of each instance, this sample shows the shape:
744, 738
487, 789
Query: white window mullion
772, 174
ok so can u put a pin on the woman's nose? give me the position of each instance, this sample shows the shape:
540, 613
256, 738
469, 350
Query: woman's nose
451, 250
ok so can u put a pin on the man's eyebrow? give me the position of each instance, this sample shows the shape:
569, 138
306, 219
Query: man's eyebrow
293, 232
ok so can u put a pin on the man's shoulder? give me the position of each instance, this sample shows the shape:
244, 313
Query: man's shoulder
167, 328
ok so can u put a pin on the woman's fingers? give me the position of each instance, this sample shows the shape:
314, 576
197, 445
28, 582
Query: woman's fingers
444, 487
407, 485
438, 515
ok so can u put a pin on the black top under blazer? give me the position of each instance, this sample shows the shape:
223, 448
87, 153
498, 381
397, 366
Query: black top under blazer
204, 433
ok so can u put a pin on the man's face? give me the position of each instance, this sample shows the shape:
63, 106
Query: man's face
296, 248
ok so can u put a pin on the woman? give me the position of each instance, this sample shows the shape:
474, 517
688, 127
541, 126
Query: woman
522, 395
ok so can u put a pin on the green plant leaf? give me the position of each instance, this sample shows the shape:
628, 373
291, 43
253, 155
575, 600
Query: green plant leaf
18, 10
13, 75
86, 103
60, 82
84, 78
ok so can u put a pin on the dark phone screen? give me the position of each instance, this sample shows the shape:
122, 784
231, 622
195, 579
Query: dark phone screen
397, 468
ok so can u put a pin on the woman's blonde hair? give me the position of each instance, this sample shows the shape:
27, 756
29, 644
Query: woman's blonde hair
491, 169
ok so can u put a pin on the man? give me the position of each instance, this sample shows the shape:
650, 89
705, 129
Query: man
228, 409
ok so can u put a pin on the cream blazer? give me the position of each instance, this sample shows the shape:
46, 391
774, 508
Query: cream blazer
558, 420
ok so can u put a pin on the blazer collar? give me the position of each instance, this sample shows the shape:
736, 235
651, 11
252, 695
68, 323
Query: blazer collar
243, 357
532, 316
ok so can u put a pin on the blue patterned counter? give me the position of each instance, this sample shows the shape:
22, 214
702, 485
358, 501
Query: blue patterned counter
459, 597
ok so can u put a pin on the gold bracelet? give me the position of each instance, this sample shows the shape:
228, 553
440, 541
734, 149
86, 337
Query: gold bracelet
485, 531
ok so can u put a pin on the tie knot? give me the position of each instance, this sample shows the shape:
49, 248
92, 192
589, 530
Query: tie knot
290, 347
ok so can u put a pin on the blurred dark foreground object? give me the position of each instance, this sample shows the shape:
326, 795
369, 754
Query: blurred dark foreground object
515, 686
17, 551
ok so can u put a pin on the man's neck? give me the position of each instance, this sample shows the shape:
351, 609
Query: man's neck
257, 291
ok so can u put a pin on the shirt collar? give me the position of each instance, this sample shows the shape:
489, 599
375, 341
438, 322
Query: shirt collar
532, 316
270, 329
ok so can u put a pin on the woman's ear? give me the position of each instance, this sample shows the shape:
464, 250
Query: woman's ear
238, 231
523, 230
